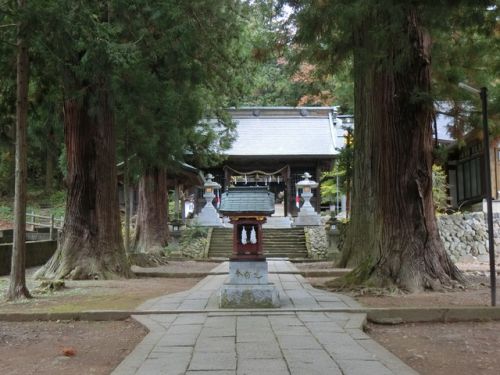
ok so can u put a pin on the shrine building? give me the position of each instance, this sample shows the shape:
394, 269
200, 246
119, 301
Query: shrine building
274, 146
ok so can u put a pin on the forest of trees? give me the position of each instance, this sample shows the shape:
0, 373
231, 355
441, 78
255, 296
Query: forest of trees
135, 80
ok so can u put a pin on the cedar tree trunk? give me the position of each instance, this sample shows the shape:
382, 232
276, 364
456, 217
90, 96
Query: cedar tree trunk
90, 245
393, 237
17, 284
151, 235
49, 163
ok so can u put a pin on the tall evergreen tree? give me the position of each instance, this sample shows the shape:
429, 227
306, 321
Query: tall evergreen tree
393, 236
189, 68
17, 283
7, 97
86, 49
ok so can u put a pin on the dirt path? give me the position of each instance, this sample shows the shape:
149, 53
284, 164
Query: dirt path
38, 347
440, 349
125, 294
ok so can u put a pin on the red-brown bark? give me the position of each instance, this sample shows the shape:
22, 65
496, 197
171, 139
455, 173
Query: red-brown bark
151, 235
90, 245
393, 236
17, 283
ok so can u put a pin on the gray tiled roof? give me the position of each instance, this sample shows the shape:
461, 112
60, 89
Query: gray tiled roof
247, 199
284, 133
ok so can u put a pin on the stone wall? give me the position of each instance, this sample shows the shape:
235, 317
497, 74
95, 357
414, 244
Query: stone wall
316, 242
466, 234
37, 253
195, 249
190, 243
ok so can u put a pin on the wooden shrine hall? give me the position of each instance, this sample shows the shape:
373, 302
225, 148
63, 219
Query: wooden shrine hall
274, 146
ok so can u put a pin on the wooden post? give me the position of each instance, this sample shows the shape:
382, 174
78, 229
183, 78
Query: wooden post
183, 202
318, 190
176, 200
51, 227
288, 192
227, 179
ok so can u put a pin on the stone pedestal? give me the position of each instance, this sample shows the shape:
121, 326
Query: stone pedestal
209, 217
248, 286
307, 216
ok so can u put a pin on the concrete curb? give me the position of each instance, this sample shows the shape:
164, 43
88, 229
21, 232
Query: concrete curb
103, 315
182, 275
178, 275
375, 315
432, 314
136, 358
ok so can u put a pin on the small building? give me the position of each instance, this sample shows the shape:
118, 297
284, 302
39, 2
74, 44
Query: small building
247, 208
465, 169
465, 159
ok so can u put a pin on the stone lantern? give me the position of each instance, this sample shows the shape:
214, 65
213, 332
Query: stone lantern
209, 217
307, 216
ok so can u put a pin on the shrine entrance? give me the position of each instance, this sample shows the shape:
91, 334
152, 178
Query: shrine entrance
275, 181
274, 147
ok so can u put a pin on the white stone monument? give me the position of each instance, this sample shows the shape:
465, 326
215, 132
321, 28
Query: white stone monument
209, 217
307, 216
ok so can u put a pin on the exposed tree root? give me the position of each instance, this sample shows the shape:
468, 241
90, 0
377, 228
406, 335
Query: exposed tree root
367, 278
16, 293
78, 266
147, 260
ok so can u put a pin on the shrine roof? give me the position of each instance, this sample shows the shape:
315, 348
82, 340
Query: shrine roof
254, 199
281, 131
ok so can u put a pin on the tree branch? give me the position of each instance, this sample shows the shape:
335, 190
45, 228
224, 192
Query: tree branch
9, 43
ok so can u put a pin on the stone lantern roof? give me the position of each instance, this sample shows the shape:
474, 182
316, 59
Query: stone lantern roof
247, 199
306, 182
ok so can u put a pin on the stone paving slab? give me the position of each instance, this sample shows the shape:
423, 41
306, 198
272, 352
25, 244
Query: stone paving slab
286, 340
274, 266
294, 290
292, 343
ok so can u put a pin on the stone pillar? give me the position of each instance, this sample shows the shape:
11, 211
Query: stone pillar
248, 286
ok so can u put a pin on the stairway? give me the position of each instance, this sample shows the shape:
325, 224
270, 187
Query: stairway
278, 243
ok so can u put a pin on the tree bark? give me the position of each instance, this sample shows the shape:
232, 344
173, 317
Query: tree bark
393, 237
151, 235
90, 245
17, 284
126, 199
49, 162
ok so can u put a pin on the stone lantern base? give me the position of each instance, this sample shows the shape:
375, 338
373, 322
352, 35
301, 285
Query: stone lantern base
307, 220
209, 217
248, 286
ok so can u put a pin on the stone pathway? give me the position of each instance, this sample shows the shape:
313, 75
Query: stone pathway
312, 333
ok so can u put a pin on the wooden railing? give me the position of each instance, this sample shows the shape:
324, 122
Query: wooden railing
42, 221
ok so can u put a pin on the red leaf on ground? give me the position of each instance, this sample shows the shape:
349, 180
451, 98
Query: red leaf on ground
69, 352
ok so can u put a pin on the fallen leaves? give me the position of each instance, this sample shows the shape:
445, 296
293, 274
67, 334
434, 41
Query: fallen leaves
69, 351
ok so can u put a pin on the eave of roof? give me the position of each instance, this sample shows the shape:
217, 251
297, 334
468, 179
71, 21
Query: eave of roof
284, 131
242, 200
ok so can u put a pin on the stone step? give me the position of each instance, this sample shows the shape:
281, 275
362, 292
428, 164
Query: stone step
280, 242
266, 242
